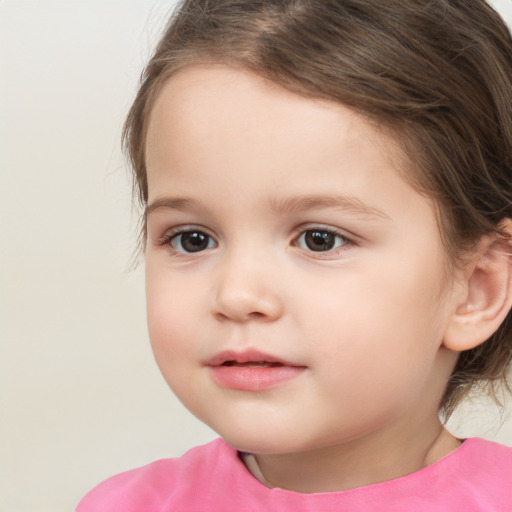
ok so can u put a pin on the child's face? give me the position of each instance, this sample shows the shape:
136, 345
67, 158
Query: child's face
279, 230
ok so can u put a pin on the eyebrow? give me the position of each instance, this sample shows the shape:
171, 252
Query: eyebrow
173, 203
299, 204
345, 203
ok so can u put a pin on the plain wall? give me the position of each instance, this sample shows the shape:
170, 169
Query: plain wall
81, 397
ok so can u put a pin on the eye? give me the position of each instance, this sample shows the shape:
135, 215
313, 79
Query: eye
320, 240
191, 241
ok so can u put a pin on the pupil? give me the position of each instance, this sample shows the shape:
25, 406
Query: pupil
194, 242
319, 240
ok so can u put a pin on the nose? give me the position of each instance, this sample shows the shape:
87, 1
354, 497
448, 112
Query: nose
246, 290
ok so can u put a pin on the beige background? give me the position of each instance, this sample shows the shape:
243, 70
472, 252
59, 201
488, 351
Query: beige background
81, 397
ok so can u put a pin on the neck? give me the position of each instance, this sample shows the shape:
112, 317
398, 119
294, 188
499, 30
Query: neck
364, 461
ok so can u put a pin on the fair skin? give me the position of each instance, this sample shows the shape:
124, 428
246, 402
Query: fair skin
280, 225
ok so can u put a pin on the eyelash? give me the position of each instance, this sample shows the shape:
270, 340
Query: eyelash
345, 240
173, 235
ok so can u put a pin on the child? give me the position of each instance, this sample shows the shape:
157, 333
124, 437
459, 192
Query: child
327, 194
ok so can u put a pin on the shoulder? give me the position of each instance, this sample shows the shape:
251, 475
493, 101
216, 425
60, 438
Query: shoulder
488, 449
488, 465
476, 477
155, 486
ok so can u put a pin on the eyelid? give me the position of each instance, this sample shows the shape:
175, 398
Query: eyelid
350, 239
170, 234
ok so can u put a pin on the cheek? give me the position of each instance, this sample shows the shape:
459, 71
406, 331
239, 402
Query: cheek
378, 329
171, 316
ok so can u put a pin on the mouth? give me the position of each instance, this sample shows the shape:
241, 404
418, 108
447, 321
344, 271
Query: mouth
248, 359
253, 364
251, 370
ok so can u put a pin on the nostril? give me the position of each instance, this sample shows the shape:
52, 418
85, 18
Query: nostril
239, 316
256, 314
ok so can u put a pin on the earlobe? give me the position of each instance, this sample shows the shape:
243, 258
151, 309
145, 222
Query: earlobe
487, 296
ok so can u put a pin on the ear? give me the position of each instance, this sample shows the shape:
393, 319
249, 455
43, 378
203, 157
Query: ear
486, 294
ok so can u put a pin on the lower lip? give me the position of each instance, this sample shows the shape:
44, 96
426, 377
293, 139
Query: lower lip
254, 378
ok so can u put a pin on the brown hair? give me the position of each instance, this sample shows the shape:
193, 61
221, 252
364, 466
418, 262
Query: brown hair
437, 73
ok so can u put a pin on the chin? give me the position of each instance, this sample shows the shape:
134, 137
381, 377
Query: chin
261, 445
264, 441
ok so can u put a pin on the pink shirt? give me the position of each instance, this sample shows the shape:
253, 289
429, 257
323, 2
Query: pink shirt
475, 477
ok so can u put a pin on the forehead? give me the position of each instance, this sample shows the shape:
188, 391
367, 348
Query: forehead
217, 105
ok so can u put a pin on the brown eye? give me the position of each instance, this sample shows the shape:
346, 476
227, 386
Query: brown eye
192, 241
320, 240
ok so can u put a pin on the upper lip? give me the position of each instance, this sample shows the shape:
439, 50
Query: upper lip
246, 356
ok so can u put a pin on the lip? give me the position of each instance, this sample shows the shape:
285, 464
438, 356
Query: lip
251, 370
246, 356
